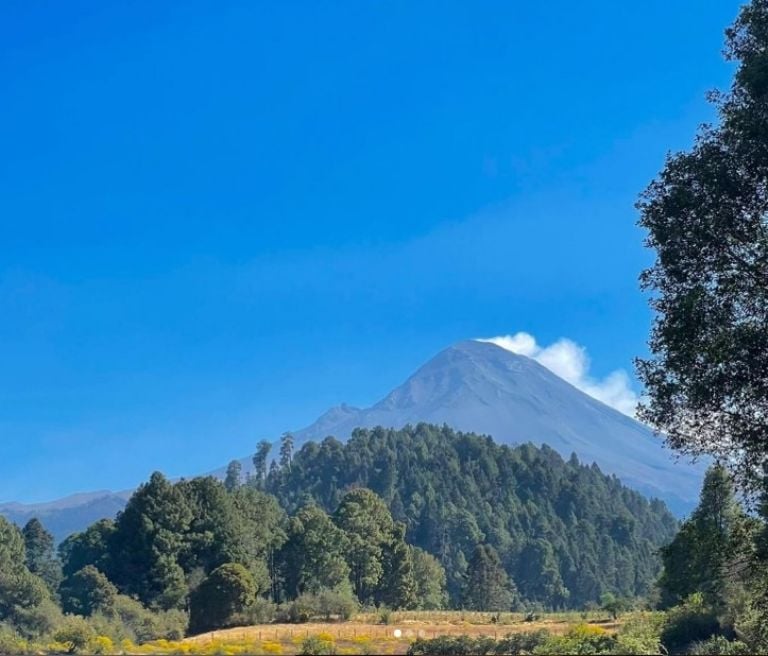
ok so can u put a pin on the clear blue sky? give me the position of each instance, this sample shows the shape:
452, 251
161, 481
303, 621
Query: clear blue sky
220, 218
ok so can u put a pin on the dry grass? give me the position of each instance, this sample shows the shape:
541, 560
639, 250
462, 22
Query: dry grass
365, 635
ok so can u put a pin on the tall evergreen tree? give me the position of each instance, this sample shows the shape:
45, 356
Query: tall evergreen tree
260, 462
148, 538
397, 588
697, 559
286, 450
487, 587
20, 590
368, 525
40, 555
429, 580
234, 475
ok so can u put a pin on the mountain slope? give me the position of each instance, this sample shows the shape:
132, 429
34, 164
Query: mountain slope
481, 387
475, 387
69, 515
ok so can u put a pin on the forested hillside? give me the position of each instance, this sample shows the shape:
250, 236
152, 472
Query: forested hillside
565, 532
423, 517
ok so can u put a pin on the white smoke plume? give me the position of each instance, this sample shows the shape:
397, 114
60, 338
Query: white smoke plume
570, 361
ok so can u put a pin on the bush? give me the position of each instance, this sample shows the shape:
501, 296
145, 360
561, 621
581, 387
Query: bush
581, 639
720, 646
261, 611
36, 621
690, 622
12, 643
221, 597
129, 620
317, 646
522, 643
642, 634
326, 604
75, 634
512, 645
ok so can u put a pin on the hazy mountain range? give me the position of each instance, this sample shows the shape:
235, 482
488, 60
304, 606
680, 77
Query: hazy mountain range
480, 387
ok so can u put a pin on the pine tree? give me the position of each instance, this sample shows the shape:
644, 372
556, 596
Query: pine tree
487, 586
41, 557
397, 588
149, 536
286, 451
368, 525
234, 476
260, 462
697, 559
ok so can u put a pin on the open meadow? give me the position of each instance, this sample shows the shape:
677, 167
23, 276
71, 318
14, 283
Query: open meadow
367, 635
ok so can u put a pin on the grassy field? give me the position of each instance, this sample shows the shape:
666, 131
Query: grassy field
365, 634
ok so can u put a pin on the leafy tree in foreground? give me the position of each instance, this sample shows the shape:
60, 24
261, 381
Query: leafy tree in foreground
228, 590
707, 219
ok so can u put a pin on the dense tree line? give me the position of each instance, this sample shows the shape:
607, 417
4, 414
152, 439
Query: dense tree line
424, 517
564, 532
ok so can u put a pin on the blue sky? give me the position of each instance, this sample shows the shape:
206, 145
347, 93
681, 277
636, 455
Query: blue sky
218, 219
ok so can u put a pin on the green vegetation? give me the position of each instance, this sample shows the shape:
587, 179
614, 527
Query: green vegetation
376, 523
564, 532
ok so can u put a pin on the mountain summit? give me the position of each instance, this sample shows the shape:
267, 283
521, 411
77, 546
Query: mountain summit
481, 387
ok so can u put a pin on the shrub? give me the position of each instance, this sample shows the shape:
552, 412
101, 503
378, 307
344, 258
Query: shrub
581, 639
40, 620
129, 620
642, 634
261, 611
11, 642
457, 646
317, 646
720, 646
101, 645
326, 604
221, 597
75, 634
690, 622
522, 643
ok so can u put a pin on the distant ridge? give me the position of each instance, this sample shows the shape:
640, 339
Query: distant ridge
475, 387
